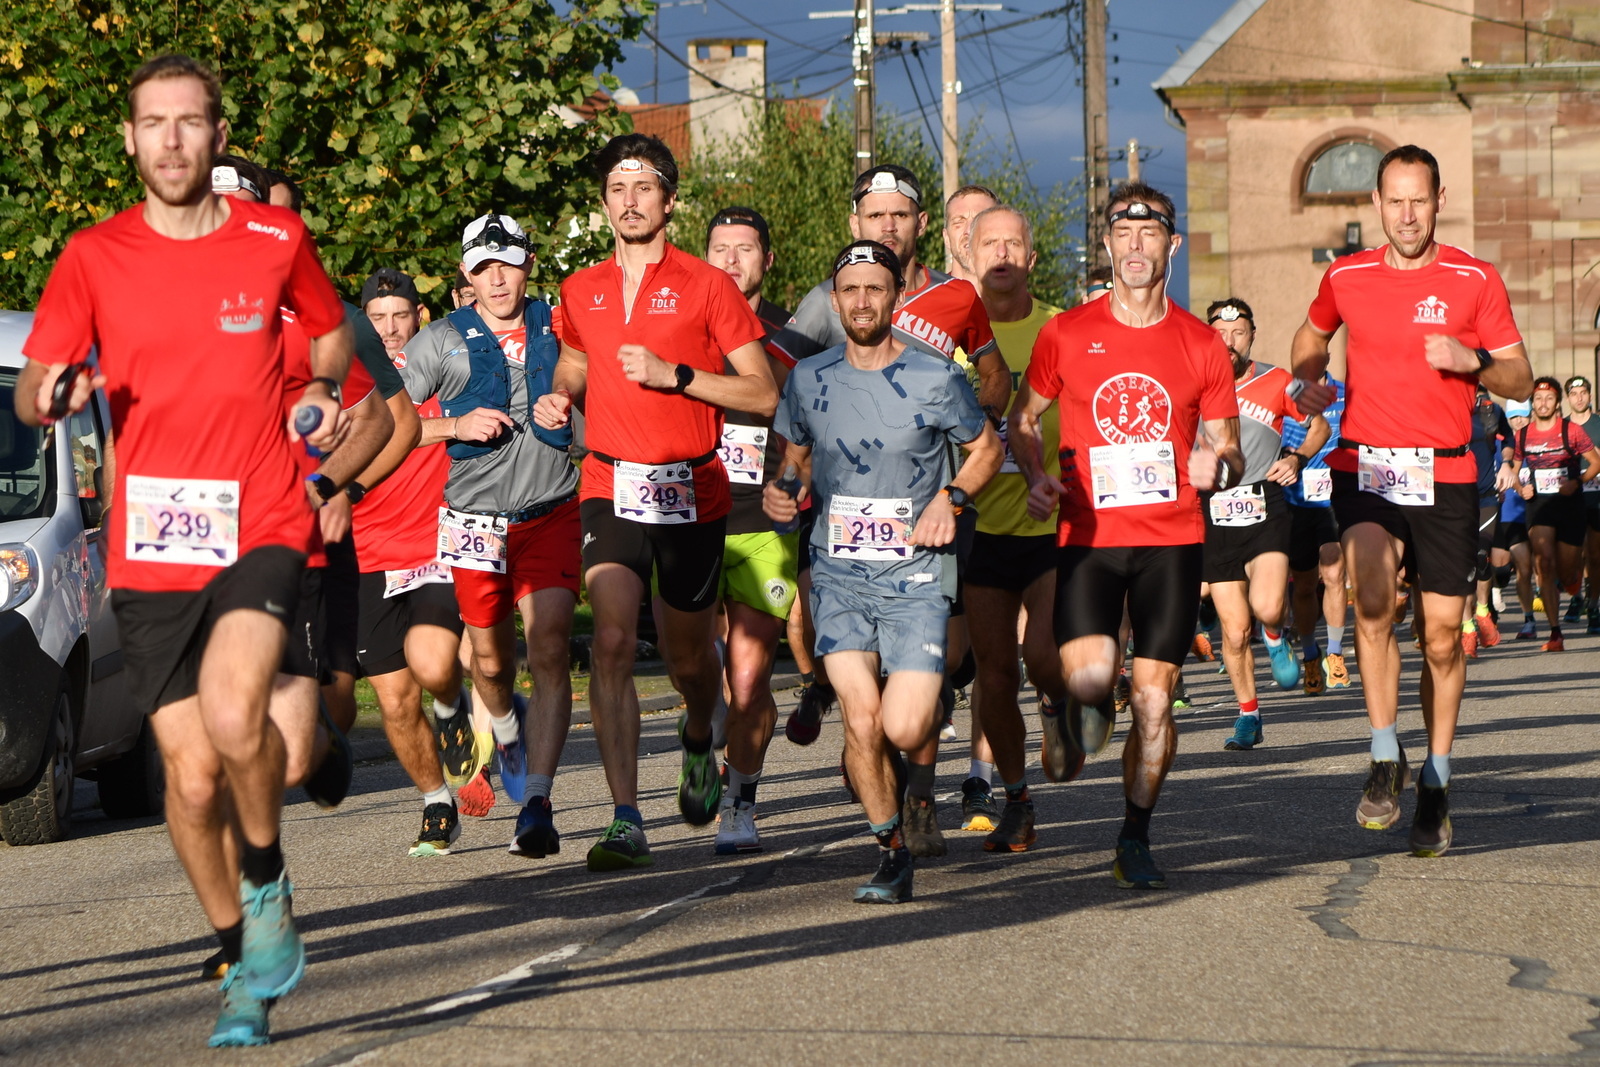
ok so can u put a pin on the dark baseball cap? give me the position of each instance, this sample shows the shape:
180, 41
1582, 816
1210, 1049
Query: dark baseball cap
386, 281
741, 216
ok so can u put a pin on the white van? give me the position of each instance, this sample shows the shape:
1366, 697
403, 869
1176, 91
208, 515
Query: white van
64, 706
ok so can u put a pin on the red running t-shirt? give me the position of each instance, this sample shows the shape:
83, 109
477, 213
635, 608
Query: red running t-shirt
1393, 399
356, 387
189, 340
397, 523
947, 314
1137, 396
685, 311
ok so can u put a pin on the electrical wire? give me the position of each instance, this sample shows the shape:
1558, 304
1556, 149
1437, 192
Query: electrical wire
1016, 145
741, 16
921, 107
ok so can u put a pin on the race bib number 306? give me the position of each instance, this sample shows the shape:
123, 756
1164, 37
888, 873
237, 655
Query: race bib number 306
472, 542
1132, 474
181, 520
874, 528
1400, 475
661, 494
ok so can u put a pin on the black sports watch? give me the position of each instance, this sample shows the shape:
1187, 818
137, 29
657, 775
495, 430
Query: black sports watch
1485, 359
958, 497
355, 491
334, 389
326, 488
685, 376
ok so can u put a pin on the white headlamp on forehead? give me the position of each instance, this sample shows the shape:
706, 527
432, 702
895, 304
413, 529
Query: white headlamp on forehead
635, 166
884, 182
1229, 314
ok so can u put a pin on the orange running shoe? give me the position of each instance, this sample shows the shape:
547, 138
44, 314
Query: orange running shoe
1469, 643
1488, 631
477, 796
1202, 648
1555, 644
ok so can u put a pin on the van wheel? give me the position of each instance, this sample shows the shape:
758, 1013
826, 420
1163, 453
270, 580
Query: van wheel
132, 786
44, 813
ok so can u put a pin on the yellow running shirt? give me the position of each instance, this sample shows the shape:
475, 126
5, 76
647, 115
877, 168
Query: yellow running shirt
1003, 504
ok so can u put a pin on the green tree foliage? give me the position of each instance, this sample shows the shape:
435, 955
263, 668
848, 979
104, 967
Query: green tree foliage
798, 174
400, 119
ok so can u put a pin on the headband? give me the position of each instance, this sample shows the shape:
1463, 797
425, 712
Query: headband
226, 179
1141, 211
868, 252
635, 166
1230, 313
884, 182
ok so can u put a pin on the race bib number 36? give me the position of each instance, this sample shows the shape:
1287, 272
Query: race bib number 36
180, 520
661, 494
744, 452
1400, 475
1127, 475
869, 528
472, 542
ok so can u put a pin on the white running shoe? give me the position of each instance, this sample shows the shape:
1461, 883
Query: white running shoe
736, 828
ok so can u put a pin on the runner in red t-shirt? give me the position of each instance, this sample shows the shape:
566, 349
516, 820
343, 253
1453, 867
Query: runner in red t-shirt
210, 525
647, 336
1426, 323
1558, 458
1137, 379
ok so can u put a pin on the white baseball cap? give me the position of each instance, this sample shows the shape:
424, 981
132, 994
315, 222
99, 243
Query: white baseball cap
495, 237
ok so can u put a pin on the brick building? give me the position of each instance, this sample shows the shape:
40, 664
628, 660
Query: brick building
1288, 104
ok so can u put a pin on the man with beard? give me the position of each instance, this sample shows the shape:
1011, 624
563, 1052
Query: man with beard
1247, 527
1426, 323
1137, 379
883, 573
648, 338
210, 523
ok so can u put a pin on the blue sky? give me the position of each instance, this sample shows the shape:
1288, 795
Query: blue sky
1038, 90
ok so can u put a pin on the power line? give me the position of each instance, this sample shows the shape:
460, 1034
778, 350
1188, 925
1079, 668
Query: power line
921, 107
1523, 26
741, 16
1016, 145
1055, 12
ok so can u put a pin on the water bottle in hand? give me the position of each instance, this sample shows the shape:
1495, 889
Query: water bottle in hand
789, 483
306, 421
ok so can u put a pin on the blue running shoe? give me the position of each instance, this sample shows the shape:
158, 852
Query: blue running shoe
243, 1019
274, 956
1285, 667
892, 883
513, 758
1246, 734
536, 831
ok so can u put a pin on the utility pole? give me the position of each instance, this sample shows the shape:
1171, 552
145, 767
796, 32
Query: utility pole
1133, 159
952, 89
1096, 164
866, 89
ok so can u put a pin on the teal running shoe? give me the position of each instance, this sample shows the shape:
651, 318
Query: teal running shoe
243, 1019
892, 883
621, 848
1246, 734
1285, 667
274, 956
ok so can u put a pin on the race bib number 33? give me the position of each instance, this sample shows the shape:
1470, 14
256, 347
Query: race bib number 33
744, 452
181, 520
869, 528
661, 494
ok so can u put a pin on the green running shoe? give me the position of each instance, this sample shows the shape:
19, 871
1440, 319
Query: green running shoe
621, 848
699, 784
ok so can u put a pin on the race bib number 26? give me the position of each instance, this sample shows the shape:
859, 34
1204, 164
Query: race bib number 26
472, 542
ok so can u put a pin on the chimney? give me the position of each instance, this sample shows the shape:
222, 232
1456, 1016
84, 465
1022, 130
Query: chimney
730, 112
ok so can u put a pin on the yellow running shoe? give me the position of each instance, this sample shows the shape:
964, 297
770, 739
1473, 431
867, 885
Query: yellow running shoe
1334, 670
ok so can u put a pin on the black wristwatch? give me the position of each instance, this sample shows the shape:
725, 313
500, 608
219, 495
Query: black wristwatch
958, 497
325, 486
333, 389
685, 376
355, 491
1485, 359
1289, 453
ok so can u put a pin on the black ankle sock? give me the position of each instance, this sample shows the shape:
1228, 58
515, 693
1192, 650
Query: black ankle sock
1019, 796
807, 677
261, 865
919, 780
1136, 823
889, 837
699, 747
232, 941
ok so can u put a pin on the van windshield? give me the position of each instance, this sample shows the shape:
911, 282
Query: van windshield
24, 471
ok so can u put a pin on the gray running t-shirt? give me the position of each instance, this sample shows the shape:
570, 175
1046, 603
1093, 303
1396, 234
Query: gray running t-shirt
881, 448
522, 473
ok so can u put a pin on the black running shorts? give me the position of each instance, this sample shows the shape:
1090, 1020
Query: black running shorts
1563, 514
1440, 539
341, 599
1161, 585
1508, 535
381, 638
1309, 530
1010, 561
302, 653
1229, 548
164, 635
687, 558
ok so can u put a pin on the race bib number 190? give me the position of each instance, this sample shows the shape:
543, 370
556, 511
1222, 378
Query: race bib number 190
661, 494
472, 542
1127, 475
1245, 505
181, 520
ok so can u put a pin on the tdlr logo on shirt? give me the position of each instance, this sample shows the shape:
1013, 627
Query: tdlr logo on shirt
663, 301
1431, 311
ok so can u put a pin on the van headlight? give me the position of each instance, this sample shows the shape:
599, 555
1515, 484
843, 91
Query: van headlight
19, 575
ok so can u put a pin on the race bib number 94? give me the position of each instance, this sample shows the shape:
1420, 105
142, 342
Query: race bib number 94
873, 528
180, 520
661, 494
472, 542
1400, 475
1127, 475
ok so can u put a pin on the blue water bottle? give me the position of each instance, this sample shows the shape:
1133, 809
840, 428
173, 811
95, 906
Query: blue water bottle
789, 483
306, 421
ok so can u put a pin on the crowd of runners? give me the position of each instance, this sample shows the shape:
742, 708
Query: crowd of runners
924, 481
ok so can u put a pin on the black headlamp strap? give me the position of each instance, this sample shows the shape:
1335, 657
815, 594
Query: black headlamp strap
1142, 212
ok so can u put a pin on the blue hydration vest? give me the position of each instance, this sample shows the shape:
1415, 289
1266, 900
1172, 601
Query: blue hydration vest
489, 385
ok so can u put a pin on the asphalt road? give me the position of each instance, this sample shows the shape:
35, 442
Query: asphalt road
1289, 936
